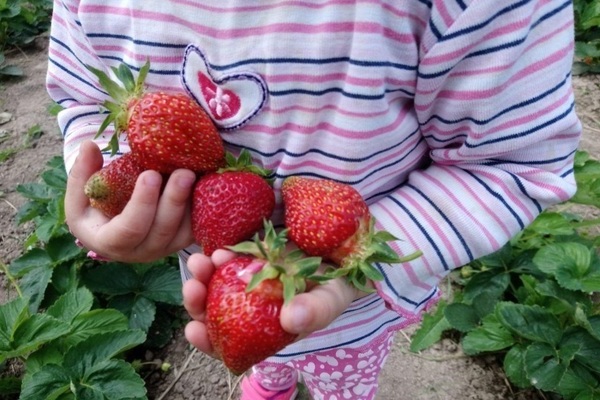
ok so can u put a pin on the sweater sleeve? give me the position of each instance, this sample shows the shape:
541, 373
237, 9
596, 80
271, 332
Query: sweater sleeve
496, 108
71, 85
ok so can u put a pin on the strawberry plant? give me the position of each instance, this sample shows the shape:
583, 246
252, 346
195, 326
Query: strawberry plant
72, 322
535, 303
587, 36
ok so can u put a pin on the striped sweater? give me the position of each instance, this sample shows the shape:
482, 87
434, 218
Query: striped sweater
454, 119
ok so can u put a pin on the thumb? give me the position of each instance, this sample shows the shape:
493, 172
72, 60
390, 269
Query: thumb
314, 310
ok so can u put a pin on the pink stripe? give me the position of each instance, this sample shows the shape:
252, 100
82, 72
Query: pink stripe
353, 80
446, 17
434, 228
325, 126
355, 173
407, 237
461, 52
315, 110
337, 27
470, 95
460, 203
499, 222
306, 4
504, 127
506, 191
408, 165
504, 67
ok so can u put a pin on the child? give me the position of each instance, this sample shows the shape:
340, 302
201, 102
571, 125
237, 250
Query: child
453, 118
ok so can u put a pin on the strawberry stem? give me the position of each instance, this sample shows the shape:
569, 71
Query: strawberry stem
292, 268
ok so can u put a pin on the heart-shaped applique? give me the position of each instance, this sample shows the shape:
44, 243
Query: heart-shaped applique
230, 99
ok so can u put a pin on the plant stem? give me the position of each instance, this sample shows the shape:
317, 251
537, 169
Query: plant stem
12, 280
586, 223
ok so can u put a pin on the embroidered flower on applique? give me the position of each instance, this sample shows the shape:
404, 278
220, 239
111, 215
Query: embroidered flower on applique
231, 99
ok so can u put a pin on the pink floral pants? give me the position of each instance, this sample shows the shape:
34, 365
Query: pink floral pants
330, 375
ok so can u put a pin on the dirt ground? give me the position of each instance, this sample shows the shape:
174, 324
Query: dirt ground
440, 373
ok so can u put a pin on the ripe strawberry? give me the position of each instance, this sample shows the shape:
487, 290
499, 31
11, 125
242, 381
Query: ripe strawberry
165, 131
229, 205
245, 297
110, 188
331, 220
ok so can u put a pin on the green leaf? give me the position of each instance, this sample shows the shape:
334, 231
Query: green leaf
99, 348
493, 282
48, 383
34, 284
543, 366
514, 366
12, 314
113, 380
36, 191
63, 248
34, 332
162, 284
112, 279
588, 347
95, 322
461, 317
551, 223
33, 259
574, 265
71, 304
531, 322
431, 329
489, 337
577, 381
139, 310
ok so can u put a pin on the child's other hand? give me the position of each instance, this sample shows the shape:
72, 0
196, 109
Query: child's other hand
308, 312
152, 225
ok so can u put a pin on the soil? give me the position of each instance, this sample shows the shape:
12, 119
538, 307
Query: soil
440, 373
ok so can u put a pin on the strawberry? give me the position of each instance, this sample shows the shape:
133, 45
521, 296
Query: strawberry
229, 205
165, 131
245, 297
110, 188
331, 220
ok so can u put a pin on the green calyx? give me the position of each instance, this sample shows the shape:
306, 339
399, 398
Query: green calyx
293, 268
121, 95
244, 163
358, 268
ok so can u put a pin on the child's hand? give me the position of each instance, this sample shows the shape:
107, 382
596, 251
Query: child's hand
307, 313
152, 225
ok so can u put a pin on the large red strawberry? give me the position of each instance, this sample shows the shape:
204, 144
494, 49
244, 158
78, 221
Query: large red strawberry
245, 297
331, 220
165, 131
229, 205
110, 188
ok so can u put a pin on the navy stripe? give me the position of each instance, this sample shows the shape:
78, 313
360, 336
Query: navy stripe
354, 182
445, 218
338, 90
137, 41
521, 187
75, 118
320, 61
483, 24
524, 133
497, 196
423, 231
461, 4
490, 50
516, 106
391, 286
341, 344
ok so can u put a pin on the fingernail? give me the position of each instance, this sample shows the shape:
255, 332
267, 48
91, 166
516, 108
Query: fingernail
185, 181
299, 318
152, 179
